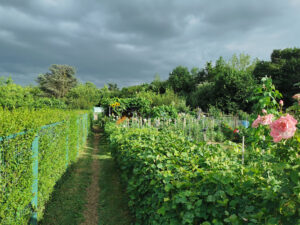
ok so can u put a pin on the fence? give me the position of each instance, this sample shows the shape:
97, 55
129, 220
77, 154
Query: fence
200, 129
30, 164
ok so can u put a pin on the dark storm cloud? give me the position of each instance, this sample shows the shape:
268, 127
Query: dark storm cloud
127, 42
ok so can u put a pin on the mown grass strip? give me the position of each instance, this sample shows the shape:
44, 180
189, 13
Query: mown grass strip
113, 207
68, 201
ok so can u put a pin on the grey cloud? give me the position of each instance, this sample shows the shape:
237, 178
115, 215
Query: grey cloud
127, 42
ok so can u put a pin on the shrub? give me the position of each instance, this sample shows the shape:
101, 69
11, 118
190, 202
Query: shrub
16, 159
171, 180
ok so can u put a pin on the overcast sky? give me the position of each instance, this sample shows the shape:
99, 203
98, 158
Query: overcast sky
128, 42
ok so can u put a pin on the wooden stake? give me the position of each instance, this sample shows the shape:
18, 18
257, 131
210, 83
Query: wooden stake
243, 149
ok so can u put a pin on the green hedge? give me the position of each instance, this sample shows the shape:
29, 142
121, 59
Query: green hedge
16, 163
171, 180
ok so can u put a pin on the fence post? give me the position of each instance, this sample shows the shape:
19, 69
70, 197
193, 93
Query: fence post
86, 126
77, 121
67, 144
82, 129
35, 171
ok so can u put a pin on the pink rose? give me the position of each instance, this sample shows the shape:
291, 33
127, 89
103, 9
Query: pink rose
267, 119
283, 128
297, 97
256, 122
264, 120
264, 111
281, 103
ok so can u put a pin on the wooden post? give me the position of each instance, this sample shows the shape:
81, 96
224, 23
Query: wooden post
35, 172
67, 144
235, 122
77, 121
243, 149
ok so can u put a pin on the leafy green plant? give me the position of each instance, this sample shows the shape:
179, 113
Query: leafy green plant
57, 146
172, 180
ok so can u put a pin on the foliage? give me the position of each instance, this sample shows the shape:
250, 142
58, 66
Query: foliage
202, 97
14, 96
284, 69
158, 86
58, 81
132, 91
226, 85
16, 157
83, 96
266, 97
164, 111
127, 106
181, 80
169, 98
69, 198
172, 180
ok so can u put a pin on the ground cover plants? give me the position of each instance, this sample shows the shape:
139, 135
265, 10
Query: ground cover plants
173, 179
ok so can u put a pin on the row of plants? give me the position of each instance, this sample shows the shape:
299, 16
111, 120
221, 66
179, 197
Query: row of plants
172, 180
58, 146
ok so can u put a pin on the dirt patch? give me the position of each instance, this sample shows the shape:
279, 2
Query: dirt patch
91, 211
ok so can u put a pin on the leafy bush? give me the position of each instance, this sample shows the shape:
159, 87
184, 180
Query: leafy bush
171, 180
14, 96
126, 106
169, 98
16, 157
164, 111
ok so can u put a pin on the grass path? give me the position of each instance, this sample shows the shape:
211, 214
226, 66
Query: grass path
91, 208
90, 191
113, 208
69, 197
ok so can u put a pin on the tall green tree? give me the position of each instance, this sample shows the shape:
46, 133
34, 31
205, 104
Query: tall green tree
58, 81
181, 80
113, 87
284, 69
226, 84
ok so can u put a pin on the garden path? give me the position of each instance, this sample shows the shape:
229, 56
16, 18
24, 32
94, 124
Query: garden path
90, 192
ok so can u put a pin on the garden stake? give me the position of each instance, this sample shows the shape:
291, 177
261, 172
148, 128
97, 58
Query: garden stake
243, 149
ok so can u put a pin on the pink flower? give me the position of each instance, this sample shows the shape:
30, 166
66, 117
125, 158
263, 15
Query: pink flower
283, 128
256, 122
281, 103
264, 111
264, 120
297, 97
267, 119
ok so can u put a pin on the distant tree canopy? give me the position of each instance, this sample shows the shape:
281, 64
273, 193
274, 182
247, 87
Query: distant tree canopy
14, 96
226, 85
83, 96
181, 81
113, 87
58, 81
284, 69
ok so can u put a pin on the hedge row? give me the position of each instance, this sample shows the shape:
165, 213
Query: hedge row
171, 180
16, 163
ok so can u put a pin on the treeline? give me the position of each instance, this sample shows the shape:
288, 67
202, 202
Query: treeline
58, 88
226, 85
